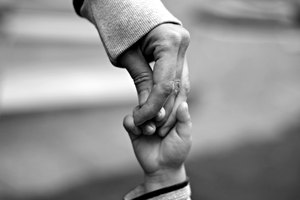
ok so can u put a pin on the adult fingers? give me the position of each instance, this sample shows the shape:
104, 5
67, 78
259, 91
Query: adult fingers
179, 98
164, 75
157, 98
169, 105
139, 70
149, 127
141, 73
172, 103
168, 54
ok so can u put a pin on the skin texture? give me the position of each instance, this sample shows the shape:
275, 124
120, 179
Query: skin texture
162, 158
167, 84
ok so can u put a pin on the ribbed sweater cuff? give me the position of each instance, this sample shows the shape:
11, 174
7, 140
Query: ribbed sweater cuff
121, 23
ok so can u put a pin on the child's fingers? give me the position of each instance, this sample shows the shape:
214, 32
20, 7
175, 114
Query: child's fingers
132, 130
184, 123
157, 98
160, 115
148, 128
171, 120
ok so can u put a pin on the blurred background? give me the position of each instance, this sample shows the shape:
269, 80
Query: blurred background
62, 103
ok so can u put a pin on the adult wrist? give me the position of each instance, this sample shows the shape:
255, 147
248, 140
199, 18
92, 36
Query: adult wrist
164, 178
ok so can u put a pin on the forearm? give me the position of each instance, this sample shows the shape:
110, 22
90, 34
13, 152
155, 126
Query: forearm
121, 23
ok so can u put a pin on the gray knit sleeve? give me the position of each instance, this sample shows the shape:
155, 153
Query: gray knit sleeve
121, 23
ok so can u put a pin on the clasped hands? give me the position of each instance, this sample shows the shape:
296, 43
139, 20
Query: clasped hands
164, 86
159, 127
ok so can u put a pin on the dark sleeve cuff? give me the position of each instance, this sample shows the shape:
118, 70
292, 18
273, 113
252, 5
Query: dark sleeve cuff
181, 191
162, 191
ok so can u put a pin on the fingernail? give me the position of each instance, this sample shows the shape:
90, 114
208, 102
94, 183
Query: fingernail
161, 114
150, 129
185, 106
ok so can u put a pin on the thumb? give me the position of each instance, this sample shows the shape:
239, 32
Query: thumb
140, 72
184, 123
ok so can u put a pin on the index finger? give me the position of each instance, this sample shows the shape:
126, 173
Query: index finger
164, 75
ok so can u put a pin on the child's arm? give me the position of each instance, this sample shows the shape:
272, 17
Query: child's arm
162, 159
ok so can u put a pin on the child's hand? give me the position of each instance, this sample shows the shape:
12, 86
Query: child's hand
162, 159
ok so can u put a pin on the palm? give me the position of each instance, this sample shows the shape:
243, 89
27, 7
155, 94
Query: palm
154, 152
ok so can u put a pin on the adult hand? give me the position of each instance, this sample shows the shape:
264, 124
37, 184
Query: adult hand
166, 45
162, 158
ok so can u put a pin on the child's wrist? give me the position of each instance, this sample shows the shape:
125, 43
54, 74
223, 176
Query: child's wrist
164, 178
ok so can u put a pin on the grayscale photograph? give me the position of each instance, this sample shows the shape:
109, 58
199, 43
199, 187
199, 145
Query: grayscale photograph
150, 99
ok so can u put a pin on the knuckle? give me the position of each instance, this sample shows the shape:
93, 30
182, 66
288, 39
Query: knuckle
167, 87
141, 78
175, 38
170, 40
178, 37
176, 86
185, 38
